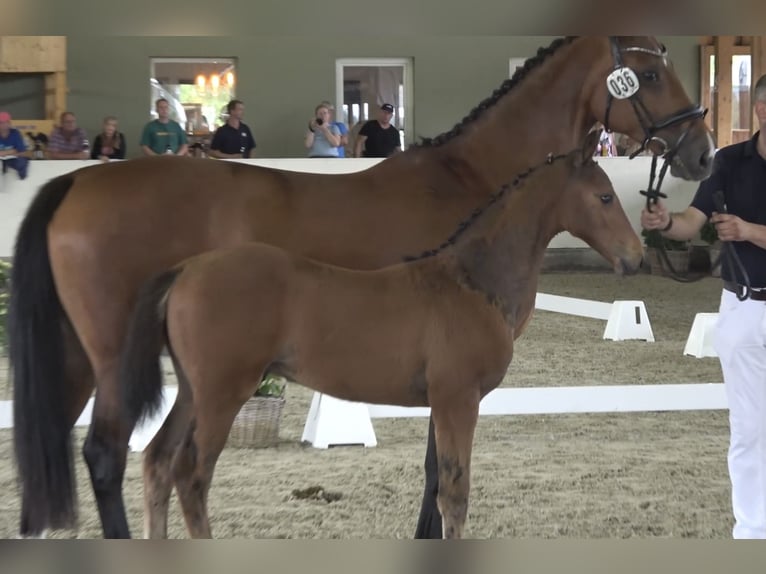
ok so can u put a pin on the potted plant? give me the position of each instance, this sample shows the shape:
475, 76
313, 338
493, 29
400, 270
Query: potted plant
677, 252
709, 235
257, 423
5, 277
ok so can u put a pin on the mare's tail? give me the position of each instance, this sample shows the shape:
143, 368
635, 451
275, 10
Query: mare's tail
41, 425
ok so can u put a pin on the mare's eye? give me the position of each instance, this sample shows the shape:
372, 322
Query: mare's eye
650, 76
606, 198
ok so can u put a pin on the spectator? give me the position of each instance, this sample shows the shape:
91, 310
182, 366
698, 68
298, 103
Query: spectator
322, 138
68, 141
342, 128
234, 138
109, 144
606, 146
378, 138
13, 150
163, 135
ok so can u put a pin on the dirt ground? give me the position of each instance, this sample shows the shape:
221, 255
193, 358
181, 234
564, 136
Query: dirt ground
581, 476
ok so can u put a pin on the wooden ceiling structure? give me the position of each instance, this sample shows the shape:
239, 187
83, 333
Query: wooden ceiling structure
47, 55
724, 48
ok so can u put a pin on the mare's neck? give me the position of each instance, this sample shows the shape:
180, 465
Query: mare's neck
546, 112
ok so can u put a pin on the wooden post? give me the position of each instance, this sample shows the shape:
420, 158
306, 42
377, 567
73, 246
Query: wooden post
723, 49
55, 95
758, 68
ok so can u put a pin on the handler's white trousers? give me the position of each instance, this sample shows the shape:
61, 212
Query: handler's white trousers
740, 341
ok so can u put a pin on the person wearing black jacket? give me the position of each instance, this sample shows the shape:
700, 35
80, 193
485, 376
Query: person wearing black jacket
109, 144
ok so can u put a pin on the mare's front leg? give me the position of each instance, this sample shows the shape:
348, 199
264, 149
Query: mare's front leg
455, 418
430, 521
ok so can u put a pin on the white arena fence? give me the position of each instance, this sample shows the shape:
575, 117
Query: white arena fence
333, 421
628, 177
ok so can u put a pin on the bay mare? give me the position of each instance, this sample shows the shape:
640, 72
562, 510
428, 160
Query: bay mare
437, 331
91, 237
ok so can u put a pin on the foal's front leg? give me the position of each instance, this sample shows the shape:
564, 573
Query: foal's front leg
454, 425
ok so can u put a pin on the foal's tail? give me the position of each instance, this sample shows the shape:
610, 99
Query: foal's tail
140, 370
41, 427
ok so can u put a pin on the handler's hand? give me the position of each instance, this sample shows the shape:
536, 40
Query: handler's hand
658, 218
730, 227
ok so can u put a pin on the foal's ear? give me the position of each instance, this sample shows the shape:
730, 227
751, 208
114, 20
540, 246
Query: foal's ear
589, 146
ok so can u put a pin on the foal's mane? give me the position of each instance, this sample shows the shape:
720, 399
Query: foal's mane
476, 213
521, 73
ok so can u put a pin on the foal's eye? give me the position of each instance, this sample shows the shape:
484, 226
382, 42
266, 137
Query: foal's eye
650, 76
606, 198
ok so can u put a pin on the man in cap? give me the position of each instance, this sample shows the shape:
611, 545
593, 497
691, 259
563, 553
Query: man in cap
13, 150
378, 138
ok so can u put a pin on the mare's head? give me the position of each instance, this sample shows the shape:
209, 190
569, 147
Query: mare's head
589, 209
634, 90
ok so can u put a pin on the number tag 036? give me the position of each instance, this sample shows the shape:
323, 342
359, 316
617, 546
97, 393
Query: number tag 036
622, 83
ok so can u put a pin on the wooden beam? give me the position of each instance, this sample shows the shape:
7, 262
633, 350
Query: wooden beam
31, 54
758, 69
723, 50
55, 95
706, 98
759, 57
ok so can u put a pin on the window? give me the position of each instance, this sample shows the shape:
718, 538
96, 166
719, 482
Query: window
741, 80
197, 89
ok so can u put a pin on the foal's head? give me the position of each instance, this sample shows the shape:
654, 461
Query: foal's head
590, 210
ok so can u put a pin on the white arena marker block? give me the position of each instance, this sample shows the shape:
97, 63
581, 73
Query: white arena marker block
333, 421
628, 320
700, 340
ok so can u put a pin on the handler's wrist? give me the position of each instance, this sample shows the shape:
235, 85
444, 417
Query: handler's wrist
669, 225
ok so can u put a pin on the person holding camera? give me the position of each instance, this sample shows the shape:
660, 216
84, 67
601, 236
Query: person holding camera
322, 137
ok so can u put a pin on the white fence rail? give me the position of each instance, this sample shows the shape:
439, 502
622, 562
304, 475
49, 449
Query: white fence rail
628, 176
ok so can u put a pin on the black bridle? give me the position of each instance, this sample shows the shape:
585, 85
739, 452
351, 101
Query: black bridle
649, 125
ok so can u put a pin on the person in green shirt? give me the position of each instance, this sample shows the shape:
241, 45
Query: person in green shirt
163, 135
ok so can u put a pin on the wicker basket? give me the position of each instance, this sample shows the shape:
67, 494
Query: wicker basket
679, 259
257, 423
715, 252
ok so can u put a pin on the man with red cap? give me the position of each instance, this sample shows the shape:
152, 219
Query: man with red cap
13, 150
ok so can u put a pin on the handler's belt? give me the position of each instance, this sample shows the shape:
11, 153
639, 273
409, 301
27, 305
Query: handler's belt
756, 293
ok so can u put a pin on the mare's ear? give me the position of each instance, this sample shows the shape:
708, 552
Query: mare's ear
589, 146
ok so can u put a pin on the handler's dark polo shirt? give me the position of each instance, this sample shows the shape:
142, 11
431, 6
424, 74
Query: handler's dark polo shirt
229, 140
740, 172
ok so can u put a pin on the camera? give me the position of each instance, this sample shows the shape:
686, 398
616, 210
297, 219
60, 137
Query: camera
319, 121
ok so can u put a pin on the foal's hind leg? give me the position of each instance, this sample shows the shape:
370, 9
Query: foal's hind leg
158, 458
197, 455
454, 424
